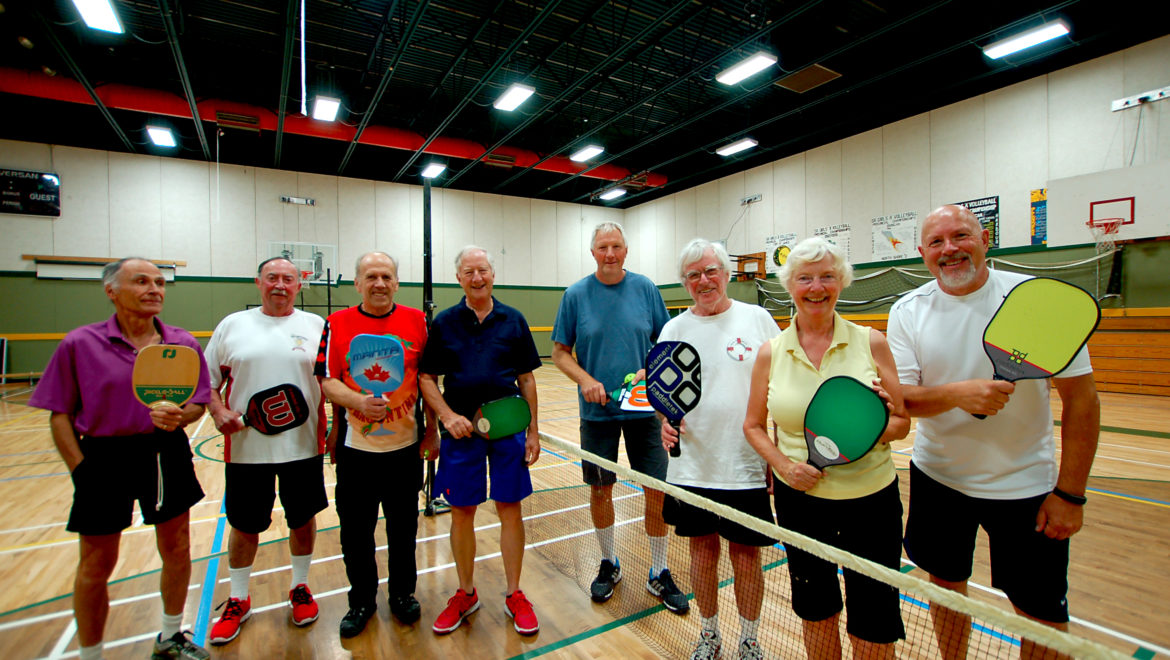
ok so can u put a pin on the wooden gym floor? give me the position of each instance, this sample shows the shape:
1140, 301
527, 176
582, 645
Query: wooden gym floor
1118, 578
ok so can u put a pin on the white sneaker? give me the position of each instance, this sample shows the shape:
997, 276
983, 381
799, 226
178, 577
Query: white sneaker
749, 649
708, 647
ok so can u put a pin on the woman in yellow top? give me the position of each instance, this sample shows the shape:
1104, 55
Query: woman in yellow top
855, 506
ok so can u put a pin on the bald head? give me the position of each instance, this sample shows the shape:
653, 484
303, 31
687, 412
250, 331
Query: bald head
952, 212
954, 248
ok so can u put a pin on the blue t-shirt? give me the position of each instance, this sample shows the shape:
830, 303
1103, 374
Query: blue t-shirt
612, 327
479, 362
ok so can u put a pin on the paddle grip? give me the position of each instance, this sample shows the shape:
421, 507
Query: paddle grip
980, 416
676, 450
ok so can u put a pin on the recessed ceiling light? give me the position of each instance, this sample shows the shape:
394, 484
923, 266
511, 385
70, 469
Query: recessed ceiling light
161, 137
736, 147
747, 68
99, 15
1033, 37
585, 153
613, 193
433, 170
512, 98
325, 108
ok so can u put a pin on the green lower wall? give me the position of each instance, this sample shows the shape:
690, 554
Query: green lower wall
31, 305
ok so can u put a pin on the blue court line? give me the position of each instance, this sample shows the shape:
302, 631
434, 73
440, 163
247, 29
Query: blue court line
203, 616
1128, 496
35, 476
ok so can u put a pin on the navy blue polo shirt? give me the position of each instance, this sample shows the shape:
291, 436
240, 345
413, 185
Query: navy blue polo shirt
479, 362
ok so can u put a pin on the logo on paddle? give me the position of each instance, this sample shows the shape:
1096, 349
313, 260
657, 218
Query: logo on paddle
826, 447
377, 373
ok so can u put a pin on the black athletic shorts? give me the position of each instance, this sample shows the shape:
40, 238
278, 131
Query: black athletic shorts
691, 521
117, 471
251, 491
643, 447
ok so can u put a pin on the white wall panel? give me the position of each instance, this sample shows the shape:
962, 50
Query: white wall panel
135, 205
572, 244
28, 156
760, 216
862, 188
822, 167
316, 223
906, 166
958, 168
83, 230
457, 230
545, 245
516, 241
275, 220
685, 222
789, 193
707, 211
732, 225
1146, 69
357, 204
233, 233
666, 243
488, 229
1086, 136
1017, 154
186, 205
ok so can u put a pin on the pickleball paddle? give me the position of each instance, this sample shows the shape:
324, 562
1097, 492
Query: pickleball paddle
1039, 328
376, 363
276, 409
631, 396
673, 382
165, 375
843, 421
501, 418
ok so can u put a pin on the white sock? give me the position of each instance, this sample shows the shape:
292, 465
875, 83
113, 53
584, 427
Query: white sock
711, 623
748, 629
657, 555
300, 570
170, 625
239, 578
605, 540
90, 652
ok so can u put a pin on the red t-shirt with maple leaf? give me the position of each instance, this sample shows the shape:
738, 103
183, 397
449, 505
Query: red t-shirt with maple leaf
408, 325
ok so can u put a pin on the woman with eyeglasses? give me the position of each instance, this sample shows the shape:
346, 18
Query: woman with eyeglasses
856, 506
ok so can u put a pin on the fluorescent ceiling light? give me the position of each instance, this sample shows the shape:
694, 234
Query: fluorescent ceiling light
433, 170
585, 153
1039, 35
99, 15
325, 108
613, 193
512, 98
161, 137
747, 68
736, 147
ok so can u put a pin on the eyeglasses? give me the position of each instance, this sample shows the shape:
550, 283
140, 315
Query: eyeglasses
710, 271
806, 280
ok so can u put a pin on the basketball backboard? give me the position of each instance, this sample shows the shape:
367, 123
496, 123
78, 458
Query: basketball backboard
317, 262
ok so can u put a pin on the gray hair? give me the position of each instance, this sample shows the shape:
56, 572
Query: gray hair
260, 268
468, 249
812, 250
695, 251
357, 265
608, 225
110, 271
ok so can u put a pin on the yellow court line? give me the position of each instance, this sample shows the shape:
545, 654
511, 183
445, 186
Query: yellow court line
35, 411
1139, 500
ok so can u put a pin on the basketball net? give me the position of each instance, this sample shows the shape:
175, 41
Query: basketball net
1105, 233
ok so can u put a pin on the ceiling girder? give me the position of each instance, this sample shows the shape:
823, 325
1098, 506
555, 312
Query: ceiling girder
184, 77
290, 32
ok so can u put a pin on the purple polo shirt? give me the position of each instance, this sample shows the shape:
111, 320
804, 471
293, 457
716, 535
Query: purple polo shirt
89, 377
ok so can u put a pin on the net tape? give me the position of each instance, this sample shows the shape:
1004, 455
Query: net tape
1054, 639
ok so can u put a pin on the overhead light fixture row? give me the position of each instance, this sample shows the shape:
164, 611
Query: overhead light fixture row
747, 68
612, 193
585, 153
736, 147
325, 108
161, 136
513, 97
99, 15
433, 170
1034, 37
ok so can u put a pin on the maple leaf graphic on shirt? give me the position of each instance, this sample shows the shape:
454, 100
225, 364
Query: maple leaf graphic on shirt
377, 373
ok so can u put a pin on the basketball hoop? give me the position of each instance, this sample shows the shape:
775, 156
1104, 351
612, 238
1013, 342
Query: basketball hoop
1105, 233
305, 275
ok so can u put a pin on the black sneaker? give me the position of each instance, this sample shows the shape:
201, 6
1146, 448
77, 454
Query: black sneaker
607, 576
663, 587
405, 608
354, 621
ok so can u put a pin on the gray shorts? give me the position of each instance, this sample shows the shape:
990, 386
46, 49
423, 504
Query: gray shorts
643, 447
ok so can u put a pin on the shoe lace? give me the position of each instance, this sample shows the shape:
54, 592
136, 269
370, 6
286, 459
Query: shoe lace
232, 608
462, 600
518, 603
608, 569
666, 582
301, 596
750, 649
708, 644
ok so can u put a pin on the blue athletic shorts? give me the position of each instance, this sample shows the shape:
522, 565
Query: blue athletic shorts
462, 476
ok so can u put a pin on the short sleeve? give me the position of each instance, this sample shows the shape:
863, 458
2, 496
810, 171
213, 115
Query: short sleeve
902, 347
565, 325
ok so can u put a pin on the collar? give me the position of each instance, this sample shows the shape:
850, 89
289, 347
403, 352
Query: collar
474, 316
113, 331
361, 310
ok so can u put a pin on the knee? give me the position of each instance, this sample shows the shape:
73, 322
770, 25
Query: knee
97, 565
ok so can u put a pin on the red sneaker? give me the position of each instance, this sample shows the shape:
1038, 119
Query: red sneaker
458, 607
304, 608
235, 613
521, 612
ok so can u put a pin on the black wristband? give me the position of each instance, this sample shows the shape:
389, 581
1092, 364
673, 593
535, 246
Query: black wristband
1078, 500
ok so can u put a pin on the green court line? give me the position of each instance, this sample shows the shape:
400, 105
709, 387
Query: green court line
1143, 653
1125, 431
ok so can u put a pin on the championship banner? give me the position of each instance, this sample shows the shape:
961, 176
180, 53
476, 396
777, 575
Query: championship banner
776, 249
838, 235
1040, 217
986, 210
895, 236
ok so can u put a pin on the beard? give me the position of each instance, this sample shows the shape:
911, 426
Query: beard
957, 279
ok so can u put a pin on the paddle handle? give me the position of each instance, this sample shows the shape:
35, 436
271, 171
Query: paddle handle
676, 449
979, 416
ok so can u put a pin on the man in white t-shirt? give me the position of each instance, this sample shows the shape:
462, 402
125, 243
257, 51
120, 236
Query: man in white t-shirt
716, 460
249, 352
1001, 472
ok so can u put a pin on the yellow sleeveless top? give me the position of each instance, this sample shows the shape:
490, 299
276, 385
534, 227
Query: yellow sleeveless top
791, 384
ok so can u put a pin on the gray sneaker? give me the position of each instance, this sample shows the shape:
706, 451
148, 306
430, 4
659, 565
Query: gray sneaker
749, 649
607, 576
178, 647
663, 587
708, 647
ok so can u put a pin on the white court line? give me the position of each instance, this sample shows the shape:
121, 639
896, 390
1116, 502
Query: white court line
1082, 622
63, 641
41, 618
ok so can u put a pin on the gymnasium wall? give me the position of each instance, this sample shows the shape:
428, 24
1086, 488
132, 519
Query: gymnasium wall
1056, 131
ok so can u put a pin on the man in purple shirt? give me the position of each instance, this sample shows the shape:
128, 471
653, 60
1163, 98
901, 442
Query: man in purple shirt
118, 451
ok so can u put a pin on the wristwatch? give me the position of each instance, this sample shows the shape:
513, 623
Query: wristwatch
1078, 500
